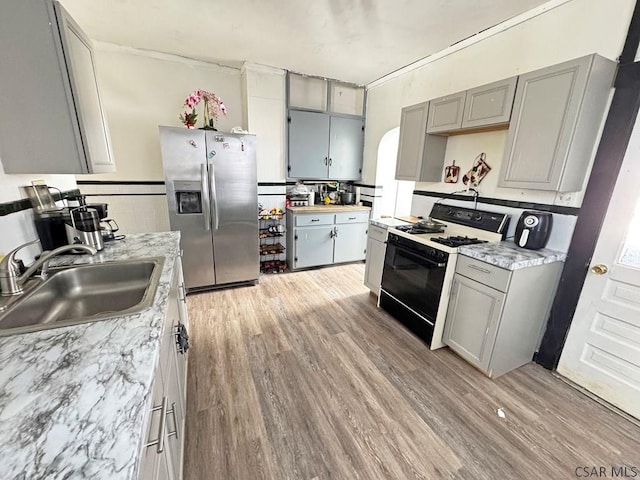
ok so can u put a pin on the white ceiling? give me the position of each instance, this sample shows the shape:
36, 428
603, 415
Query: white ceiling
356, 41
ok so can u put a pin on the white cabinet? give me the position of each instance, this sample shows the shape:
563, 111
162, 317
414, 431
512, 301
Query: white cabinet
554, 126
420, 155
50, 105
326, 238
374, 263
495, 316
163, 449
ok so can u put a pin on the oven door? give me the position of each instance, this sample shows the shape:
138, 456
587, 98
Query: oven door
412, 277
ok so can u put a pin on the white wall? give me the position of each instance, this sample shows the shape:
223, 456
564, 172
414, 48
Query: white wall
570, 30
142, 90
265, 110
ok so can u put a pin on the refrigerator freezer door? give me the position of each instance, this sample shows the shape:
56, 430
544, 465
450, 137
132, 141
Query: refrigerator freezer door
234, 206
184, 157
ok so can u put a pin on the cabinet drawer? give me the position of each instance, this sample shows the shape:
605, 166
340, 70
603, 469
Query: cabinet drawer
352, 217
306, 220
490, 275
377, 233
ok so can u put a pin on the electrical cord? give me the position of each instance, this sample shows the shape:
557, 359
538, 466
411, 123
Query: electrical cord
449, 195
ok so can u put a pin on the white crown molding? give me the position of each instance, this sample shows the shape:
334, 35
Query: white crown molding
490, 32
260, 68
168, 57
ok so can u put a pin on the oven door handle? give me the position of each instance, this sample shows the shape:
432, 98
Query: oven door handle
415, 256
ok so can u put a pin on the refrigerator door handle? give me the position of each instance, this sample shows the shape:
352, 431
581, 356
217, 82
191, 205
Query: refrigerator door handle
214, 195
204, 192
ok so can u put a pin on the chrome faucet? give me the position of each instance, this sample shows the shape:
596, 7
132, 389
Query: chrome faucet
11, 281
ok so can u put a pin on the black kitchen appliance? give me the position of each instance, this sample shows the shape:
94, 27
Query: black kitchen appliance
419, 266
533, 229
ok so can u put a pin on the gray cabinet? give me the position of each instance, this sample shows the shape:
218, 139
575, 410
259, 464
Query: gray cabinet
472, 320
350, 242
374, 263
495, 316
49, 57
313, 246
166, 414
489, 104
308, 145
324, 146
326, 238
556, 117
346, 145
445, 113
420, 155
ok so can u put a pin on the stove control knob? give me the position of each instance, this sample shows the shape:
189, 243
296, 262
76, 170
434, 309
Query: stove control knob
478, 217
442, 256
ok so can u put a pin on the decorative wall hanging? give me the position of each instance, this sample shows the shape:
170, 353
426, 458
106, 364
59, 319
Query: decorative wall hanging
478, 171
451, 173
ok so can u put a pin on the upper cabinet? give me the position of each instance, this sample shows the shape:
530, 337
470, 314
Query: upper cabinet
326, 129
485, 106
489, 104
420, 155
324, 147
50, 105
556, 118
445, 113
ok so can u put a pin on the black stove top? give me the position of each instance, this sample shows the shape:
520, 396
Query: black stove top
456, 241
413, 229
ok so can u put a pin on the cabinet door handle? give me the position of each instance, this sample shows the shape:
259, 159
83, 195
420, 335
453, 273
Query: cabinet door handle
172, 411
315, 219
325, 160
352, 218
335, 232
330, 162
480, 269
161, 428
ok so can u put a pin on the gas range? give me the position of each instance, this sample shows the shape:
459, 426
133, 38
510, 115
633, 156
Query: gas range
419, 266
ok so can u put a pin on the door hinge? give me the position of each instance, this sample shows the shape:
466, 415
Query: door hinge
359, 170
296, 259
288, 167
289, 119
365, 250
363, 128
295, 237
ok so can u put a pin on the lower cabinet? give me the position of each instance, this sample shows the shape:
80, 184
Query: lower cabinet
496, 316
326, 238
374, 263
162, 452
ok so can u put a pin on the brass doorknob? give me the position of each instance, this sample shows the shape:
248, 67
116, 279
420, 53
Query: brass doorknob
599, 269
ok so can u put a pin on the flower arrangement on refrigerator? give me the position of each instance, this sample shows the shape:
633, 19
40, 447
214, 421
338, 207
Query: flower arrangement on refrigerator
213, 107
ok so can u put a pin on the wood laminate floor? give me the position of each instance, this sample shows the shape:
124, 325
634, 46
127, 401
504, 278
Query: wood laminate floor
302, 377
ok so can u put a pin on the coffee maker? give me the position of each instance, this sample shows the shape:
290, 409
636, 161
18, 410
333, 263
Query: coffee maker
83, 226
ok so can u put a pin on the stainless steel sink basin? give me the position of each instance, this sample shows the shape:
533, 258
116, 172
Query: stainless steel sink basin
85, 293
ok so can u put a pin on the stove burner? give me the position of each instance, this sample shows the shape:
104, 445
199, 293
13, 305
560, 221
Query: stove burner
412, 229
456, 241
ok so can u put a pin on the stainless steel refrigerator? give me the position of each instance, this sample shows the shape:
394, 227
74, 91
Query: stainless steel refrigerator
212, 196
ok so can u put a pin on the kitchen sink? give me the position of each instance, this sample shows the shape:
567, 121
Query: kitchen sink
84, 293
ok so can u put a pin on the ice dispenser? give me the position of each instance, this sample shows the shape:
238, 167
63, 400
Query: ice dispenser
188, 196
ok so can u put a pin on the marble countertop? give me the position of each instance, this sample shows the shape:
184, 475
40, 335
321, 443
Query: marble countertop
73, 400
507, 255
328, 209
386, 222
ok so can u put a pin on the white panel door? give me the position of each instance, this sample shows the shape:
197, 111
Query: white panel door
602, 351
